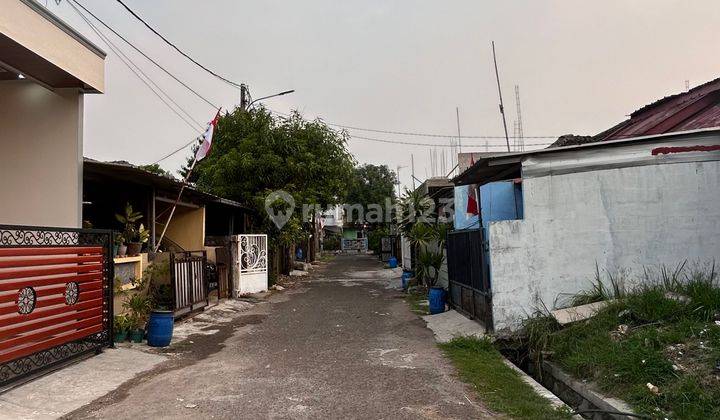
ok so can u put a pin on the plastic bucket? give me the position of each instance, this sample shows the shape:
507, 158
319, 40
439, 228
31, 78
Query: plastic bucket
436, 299
160, 328
392, 262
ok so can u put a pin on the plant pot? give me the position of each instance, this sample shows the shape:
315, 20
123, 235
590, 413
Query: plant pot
133, 248
136, 336
122, 250
116, 248
121, 336
160, 328
436, 299
406, 276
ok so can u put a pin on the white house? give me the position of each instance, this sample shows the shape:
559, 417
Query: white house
622, 204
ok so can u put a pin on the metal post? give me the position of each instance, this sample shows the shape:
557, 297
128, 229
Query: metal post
243, 97
177, 200
502, 109
153, 239
457, 116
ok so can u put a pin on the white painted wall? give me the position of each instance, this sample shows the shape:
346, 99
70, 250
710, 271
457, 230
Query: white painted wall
624, 217
40, 155
333, 216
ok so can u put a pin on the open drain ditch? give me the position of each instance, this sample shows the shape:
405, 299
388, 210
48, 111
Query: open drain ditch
578, 395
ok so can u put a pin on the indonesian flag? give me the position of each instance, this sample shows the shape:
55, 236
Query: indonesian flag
472, 205
206, 144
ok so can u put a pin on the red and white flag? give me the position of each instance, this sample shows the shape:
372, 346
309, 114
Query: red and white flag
472, 204
206, 144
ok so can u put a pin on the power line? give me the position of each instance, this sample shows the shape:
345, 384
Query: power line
230, 82
410, 143
207, 101
411, 133
180, 149
128, 62
416, 134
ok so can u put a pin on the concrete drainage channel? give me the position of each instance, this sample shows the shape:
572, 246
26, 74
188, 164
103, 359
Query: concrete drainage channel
577, 395
559, 388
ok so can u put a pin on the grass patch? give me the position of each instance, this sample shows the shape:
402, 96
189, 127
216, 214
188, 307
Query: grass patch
417, 298
663, 333
499, 387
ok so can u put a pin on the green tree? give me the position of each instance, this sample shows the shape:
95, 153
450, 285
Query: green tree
255, 154
372, 185
156, 169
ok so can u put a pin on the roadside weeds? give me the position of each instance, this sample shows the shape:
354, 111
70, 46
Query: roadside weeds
500, 387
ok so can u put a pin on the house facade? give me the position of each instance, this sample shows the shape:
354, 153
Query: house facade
46, 68
55, 278
624, 205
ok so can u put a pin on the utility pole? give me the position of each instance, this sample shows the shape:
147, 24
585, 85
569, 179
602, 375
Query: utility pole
502, 108
412, 168
398, 180
457, 117
520, 136
244, 96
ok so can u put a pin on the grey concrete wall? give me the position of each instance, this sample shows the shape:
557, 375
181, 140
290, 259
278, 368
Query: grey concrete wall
41, 158
624, 218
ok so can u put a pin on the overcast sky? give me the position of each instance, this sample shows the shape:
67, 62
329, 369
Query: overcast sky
398, 65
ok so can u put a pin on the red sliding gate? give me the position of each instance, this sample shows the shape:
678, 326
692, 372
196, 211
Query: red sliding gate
55, 298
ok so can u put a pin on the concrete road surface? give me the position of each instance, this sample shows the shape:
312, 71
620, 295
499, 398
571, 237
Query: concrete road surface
340, 343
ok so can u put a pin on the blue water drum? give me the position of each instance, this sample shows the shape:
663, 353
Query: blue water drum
406, 275
436, 298
392, 262
160, 328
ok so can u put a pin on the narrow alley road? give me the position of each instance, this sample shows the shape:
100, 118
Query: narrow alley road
341, 344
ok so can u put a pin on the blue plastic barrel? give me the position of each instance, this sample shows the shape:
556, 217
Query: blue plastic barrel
406, 275
436, 298
392, 262
160, 328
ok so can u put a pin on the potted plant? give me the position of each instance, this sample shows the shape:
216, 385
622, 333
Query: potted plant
138, 306
141, 237
427, 238
429, 266
121, 328
133, 236
119, 248
160, 323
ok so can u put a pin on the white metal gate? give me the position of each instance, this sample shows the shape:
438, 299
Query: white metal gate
252, 263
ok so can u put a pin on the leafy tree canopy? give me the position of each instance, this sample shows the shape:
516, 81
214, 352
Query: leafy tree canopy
372, 184
254, 154
156, 169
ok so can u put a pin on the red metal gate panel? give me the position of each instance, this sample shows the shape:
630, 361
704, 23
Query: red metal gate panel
55, 298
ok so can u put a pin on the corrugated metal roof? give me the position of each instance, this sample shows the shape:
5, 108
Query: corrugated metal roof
134, 174
509, 164
695, 109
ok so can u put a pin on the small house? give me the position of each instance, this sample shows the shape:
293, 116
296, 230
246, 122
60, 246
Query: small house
204, 229
642, 194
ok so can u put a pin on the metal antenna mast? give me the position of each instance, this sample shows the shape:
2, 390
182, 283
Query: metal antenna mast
412, 168
519, 139
457, 117
502, 108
